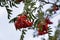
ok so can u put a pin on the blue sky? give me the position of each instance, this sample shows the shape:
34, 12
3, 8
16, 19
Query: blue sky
8, 32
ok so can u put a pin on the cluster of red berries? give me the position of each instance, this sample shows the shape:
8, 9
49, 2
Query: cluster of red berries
22, 22
43, 28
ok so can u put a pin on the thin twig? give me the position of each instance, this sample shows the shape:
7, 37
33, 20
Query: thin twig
46, 2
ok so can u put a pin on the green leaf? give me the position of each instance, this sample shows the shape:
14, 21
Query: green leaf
32, 4
34, 9
7, 6
36, 22
13, 20
50, 37
28, 1
24, 32
40, 15
59, 25
57, 0
50, 11
9, 16
49, 33
22, 35
8, 11
49, 28
2, 0
10, 4
41, 28
55, 35
14, 5
30, 16
33, 15
0, 3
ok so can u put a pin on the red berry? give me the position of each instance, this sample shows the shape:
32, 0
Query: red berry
43, 26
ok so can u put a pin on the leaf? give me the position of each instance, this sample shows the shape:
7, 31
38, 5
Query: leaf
8, 11
50, 37
40, 15
49, 33
22, 35
14, 5
41, 28
9, 16
2, 0
36, 22
57, 0
24, 32
0, 3
30, 16
32, 4
33, 15
34, 9
10, 4
49, 28
55, 35
7, 6
28, 1
59, 25
50, 11
13, 20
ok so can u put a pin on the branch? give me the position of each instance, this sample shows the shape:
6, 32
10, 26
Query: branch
46, 2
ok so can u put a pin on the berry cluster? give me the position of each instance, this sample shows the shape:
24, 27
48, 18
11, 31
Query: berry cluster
43, 26
22, 22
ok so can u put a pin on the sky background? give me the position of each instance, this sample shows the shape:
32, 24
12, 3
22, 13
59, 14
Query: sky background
8, 31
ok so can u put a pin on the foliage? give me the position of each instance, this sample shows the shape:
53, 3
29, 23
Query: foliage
29, 8
22, 35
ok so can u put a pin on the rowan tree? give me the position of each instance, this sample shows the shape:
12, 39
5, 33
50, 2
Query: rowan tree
28, 20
